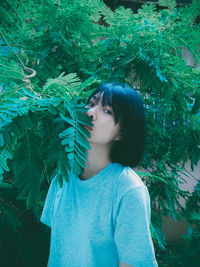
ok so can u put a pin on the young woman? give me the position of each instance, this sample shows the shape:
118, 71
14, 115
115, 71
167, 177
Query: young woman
101, 219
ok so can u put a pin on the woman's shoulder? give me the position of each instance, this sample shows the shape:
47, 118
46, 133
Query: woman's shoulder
129, 180
130, 189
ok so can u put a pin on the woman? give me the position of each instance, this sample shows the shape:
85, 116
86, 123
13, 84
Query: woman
101, 219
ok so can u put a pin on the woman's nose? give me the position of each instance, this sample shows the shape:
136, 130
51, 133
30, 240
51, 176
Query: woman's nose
92, 113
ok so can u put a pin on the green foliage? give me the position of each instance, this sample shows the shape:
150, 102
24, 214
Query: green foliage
53, 54
168, 3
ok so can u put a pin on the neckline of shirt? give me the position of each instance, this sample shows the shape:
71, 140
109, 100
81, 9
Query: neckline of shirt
100, 175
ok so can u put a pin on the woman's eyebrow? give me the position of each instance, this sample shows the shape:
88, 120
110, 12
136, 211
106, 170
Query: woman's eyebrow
95, 98
107, 106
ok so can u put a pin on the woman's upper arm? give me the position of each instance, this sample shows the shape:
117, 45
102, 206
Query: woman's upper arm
132, 232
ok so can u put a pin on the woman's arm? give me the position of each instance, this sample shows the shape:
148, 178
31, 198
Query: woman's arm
122, 264
132, 232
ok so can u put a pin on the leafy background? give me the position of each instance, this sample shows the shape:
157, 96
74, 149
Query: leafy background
53, 53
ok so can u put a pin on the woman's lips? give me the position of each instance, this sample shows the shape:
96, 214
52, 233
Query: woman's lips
87, 127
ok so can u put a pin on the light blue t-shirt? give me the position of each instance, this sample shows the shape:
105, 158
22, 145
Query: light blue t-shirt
100, 221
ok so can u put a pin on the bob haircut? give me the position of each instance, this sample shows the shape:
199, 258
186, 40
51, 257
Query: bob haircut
128, 110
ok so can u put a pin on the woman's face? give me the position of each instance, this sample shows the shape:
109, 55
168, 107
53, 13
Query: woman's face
104, 130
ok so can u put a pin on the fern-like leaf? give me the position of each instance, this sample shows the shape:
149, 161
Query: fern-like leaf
27, 170
64, 84
74, 137
4, 156
171, 4
9, 214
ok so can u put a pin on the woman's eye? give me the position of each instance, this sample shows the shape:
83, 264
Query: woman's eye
107, 111
90, 104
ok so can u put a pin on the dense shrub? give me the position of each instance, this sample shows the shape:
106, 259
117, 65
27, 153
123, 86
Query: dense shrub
53, 53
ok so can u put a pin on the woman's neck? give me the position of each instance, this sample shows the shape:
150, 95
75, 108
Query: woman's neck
98, 158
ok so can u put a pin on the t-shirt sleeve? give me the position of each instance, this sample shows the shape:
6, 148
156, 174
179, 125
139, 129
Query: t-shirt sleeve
132, 233
47, 212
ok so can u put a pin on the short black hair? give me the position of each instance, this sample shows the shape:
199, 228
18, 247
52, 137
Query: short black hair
128, 109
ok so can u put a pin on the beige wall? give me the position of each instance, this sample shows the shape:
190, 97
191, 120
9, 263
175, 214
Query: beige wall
173, 230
